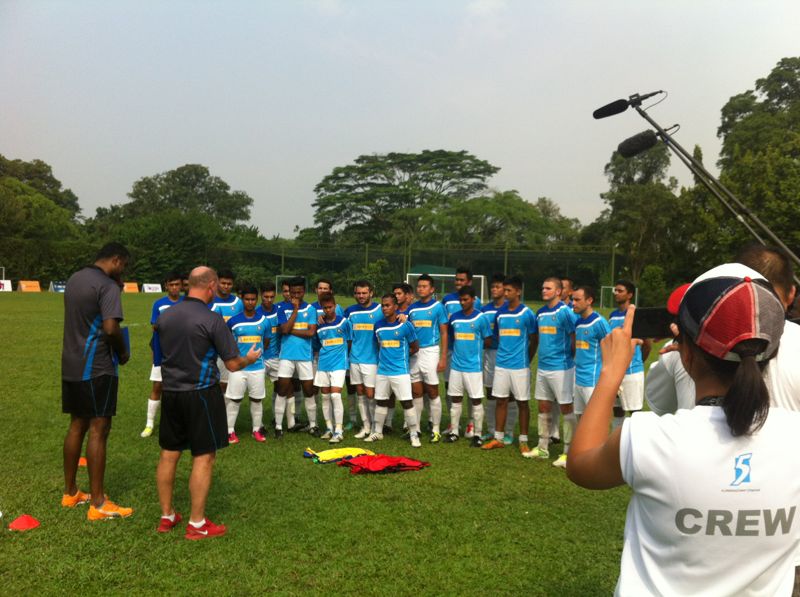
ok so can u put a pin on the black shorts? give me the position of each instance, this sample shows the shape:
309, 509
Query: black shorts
96, 397
194, 420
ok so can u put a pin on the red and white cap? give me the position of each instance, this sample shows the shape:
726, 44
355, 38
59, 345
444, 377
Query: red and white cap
727, 305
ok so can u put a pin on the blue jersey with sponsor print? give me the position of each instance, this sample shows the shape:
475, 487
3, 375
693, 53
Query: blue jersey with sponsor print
295, 348
556, 326
364, 349
588, 360
616, 320
249, 331
228, 306
452, 304
467, 334
426, 319
393, 343
512, 329
315, 341
274, 349
333, 338
490, 311
159, 306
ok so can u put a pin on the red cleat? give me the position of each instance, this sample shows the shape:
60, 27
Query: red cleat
166, 525
232, 438
208, 530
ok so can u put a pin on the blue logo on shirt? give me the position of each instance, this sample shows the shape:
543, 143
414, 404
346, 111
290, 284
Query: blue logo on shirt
741, 467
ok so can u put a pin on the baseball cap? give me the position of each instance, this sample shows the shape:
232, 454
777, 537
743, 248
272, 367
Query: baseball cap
727, 305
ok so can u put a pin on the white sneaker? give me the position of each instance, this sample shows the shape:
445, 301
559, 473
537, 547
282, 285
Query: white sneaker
362, 434
148, 431
336, 438
327, 435
415, 443
561, 461
374, 437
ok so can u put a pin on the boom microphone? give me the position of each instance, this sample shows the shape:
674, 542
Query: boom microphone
637, 144
611, 109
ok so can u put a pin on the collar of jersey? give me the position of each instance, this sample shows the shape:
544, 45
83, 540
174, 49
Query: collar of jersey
547, 309
460, 315
336, 321
586, 320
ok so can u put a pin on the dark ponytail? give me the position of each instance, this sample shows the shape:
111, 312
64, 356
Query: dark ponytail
746, 405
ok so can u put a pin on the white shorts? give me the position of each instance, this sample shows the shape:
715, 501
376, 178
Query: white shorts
489, 359
631, 392
301, 369
399, 385
223, 371
252, 381
271, 368
423, 366
514, 382
462, 381
581, 396
155, 373
329, 379
363, 374
555, 386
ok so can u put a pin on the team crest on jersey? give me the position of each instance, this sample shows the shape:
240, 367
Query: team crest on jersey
741, 469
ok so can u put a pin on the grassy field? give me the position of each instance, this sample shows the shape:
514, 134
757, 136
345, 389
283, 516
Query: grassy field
472, 523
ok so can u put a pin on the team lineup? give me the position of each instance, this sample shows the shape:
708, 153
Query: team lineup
395, 350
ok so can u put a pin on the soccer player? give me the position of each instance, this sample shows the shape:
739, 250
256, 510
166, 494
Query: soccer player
250, 329
404, 294
333, 335
364, 351
298, 324
429, 319
93, 346
397, 340
173, 284
567, 286
590, 329
470, 333
271, 353
631, 392
226, 304
322, 286
555, 374
489, 357
515, 329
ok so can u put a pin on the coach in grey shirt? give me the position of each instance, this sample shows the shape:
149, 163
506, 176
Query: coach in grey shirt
93, 346
192, 406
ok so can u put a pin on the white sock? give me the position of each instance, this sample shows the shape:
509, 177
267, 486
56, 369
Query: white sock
555, 420
197, 525
327, 411
290, 410
170, 517
523, 439
412, 422
280, 407
436, 413
419, 403
491, 409
338, 411
257, 414
311, 410
363, 410
390, 416
152, 411
477, 415
544, 430
351, 407
570, 422
455, 416
372, 405
232, 408
512, 414
380, 418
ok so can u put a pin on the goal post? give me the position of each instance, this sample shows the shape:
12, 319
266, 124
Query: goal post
445, 284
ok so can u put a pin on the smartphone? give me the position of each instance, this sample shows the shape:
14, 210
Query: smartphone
652, 322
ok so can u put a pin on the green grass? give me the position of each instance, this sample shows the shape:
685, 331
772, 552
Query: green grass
473, 522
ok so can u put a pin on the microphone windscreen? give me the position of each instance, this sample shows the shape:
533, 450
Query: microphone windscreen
637, 144
611, 109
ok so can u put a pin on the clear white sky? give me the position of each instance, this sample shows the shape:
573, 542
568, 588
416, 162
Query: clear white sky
272, 95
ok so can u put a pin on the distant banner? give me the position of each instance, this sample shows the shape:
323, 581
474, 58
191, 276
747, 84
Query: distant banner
130, 287
57, 286
150, 288
5, 286
29, 286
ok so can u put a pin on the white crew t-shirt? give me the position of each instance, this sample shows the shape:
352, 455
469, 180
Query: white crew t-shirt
782, 374
710, 514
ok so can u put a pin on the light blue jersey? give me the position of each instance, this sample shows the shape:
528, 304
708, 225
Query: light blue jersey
556, 326
588, 360
467, 334
249, 331
228, 306
393, 342
333, 338
616, 320
364, 349
490, 311
315, 346
452, 304
295, 348
426, 319
513, 329
159, 307
274, 348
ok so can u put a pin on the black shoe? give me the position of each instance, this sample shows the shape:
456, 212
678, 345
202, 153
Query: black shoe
278, 433
555, 440
315, 431
297, 427
387, 430
450, 438
406, 434
475, 442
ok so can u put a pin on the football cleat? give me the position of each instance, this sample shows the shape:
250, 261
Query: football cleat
561, 461
260, 435
493, 445
337, 438
508, 439
315, 431
537, 453
436, 437
233, 438
108, 510
70, 501
278, 433
415, 443
363, 433
451, 438
148, 431
475, 442
166, 525
208, 530
374, 437
327, 435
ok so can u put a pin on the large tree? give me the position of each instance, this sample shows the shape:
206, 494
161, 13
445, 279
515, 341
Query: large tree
39, 176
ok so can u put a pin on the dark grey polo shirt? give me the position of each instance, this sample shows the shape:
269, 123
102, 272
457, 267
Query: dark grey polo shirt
90, 298
191, 337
